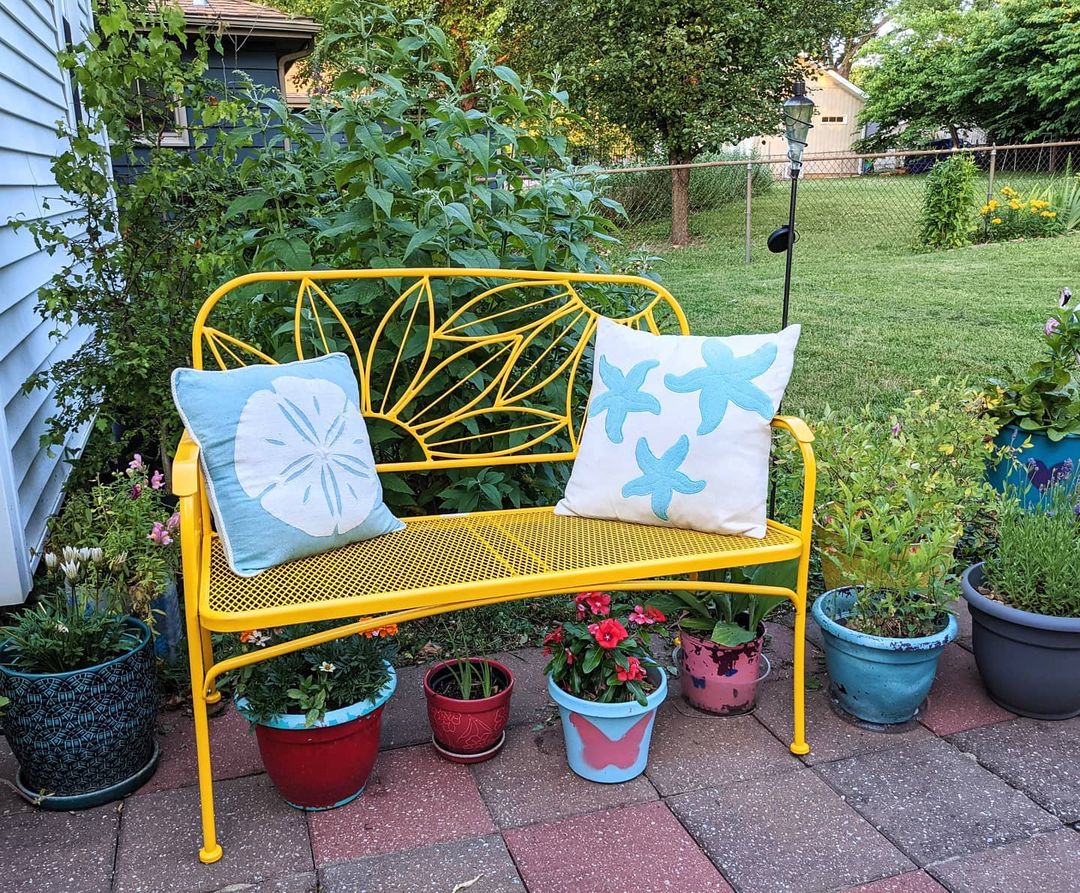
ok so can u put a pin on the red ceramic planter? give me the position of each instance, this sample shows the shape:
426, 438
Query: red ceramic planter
467, 731
326, 765
719, 679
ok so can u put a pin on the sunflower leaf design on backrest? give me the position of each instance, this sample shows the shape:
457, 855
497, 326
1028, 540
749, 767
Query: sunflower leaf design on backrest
456, 367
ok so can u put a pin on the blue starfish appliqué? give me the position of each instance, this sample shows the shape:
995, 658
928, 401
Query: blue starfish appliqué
726, 378
623, 396
661, 477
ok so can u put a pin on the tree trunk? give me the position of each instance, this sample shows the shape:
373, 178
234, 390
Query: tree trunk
680, 201
955, 135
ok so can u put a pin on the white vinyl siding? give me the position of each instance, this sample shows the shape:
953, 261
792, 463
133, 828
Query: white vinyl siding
34, 96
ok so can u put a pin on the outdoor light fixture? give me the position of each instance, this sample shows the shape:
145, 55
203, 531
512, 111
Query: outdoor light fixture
797, 112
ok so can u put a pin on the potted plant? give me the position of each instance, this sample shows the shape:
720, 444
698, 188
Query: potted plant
721, 637
468, 705
317, 713
78, 672
1024, 602
895, 494
128, 515
1039, 411
607, 686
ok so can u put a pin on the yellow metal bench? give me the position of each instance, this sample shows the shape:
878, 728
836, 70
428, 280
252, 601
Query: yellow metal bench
513, 342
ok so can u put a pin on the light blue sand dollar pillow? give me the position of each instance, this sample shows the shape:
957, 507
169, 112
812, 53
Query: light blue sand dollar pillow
287, 459
678, 430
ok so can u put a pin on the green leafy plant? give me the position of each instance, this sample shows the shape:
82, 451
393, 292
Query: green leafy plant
948, 203
599, 657
1015, 216
727, 618
76, 623
1036, 563
894, 494
466, 678
313, 681
1046, 397
128, 519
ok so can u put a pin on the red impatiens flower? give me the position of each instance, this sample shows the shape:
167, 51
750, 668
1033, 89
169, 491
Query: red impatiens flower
597, 603
608, 633
634, 672
569, 656
552, 638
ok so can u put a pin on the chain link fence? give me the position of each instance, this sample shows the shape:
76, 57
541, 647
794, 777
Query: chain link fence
845, 202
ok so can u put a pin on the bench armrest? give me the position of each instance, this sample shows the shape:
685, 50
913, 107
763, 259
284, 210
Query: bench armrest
185, 468
795, 426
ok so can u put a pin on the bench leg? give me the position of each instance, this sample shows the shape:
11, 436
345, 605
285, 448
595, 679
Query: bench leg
798, 743
213, 695
211, 849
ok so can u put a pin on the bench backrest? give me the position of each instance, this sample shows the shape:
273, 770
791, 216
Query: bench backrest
468, 367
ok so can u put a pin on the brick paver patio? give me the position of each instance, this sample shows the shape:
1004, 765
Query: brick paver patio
971, 798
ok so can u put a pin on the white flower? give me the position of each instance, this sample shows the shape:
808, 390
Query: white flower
97, 555
71, 570
70, 554
302, 450
326, 667
51, 561
61, 628
85, 553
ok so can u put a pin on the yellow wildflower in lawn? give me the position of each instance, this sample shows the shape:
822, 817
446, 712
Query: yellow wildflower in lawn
984, 210
947, 448
1015, 205
996, 221
1009, 192
1050, 215
992, 204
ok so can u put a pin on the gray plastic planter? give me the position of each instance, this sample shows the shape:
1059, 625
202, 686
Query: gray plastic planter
1029, 663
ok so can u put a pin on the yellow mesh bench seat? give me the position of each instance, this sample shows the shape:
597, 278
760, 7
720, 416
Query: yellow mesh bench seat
466, 372
453, 558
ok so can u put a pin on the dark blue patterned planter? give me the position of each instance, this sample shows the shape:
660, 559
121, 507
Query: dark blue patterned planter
86, 737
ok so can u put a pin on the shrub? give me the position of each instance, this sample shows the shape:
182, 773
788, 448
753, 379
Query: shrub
1015, 217
948, 203
894, 494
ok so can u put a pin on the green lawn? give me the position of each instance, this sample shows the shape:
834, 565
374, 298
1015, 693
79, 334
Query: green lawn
878, 318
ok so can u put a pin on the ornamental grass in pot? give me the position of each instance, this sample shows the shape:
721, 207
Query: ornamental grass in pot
607, 686
77, 671
317, 713
1024, 601
1038, 412
468, 704
895, 493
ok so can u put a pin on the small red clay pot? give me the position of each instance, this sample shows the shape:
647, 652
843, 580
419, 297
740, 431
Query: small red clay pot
468, 730
719, 679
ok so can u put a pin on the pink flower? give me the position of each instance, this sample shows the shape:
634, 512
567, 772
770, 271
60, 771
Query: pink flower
135, 492
137, 462
896, 429
639, 617
156, 480
598, 603
1051, 326
160, 534
173, 522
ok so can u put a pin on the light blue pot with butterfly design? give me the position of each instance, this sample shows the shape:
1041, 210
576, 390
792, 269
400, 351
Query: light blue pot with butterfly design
609, 743
1033, 467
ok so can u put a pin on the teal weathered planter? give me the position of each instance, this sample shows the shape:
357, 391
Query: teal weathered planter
1033, 467
876, 679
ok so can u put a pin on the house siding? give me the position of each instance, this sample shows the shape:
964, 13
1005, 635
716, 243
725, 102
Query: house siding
33, 97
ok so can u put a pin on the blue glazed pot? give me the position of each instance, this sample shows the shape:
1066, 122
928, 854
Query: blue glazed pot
168, 622
1035, 466
85, 737
608, 743
877, 679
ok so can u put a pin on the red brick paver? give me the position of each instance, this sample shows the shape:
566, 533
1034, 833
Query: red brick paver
958, 701
414, 799
909, 882
641, 848
234, 752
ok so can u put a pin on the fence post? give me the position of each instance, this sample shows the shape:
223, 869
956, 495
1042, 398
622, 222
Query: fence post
990, 181
749, 197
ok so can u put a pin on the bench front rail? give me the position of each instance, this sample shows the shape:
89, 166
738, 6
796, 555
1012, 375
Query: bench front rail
516, 340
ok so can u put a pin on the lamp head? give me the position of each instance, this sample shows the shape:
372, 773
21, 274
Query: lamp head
798, 110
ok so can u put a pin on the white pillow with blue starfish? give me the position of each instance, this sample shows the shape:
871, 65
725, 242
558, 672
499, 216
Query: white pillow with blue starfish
287, 459
678, 429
